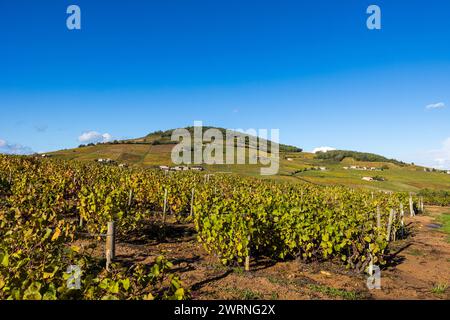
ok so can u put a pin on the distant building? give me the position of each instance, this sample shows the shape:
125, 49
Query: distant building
345, 168
322, 168
105, 160
289, 159
367, 178
181, 168
448, 172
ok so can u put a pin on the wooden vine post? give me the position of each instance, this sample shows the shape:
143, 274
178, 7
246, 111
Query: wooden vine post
394, 228
110, 250
411, 206
389, 227
130, 198
371, 260
165, 207
192, 203
402, 221
378, 218
247, 258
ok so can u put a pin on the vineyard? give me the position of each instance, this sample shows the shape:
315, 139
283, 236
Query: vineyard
46, 205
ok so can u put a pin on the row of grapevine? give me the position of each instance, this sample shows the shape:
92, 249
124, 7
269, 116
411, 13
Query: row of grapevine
235, 217
38, 223
304, 221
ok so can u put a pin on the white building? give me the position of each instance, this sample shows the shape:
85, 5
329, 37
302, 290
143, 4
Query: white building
104, 160
367, 178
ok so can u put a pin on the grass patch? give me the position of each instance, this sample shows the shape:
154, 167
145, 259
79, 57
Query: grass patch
439, 288
444, 219
248, 294
244, 294
238, 270
333, 292
218, 267
279, 281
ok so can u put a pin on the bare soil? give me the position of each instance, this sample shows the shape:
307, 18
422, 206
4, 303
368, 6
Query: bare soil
419, 269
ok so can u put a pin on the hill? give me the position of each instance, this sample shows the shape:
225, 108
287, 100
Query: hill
331, 168
339, 155
164, 137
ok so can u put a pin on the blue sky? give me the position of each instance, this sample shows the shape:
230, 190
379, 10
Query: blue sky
310, 68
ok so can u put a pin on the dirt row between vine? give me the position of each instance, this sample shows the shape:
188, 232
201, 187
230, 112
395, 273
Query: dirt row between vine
420, 268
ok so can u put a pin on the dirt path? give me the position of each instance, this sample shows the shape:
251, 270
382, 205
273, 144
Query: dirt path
422, 263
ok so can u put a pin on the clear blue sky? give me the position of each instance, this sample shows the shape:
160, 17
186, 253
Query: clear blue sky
310, 68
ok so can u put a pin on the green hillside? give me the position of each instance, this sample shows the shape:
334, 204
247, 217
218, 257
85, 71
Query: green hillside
334, 168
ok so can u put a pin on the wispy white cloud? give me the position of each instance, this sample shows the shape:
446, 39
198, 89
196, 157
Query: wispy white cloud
442, 155
437, 158
94, 137
8, 148
438, 105
323, 149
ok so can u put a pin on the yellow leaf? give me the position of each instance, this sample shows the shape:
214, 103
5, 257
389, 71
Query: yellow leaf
149, 297
56, 234
179, 294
